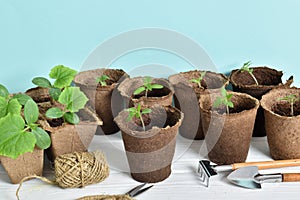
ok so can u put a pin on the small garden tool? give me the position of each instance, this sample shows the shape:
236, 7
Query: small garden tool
206, 169
248, 177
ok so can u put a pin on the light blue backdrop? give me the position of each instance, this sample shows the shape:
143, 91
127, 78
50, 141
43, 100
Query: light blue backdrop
36, 35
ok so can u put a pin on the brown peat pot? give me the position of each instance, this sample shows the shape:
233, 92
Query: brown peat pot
69, 138
150, 153
25, 165
162, 96
283, 130
39, 94
228, 136
106, 100
186, 99
268, 79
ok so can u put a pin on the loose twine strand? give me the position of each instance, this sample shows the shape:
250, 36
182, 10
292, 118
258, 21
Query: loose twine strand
76, 170
107, 197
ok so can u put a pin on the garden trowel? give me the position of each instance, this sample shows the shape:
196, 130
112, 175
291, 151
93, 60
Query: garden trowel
206, 169
248, 177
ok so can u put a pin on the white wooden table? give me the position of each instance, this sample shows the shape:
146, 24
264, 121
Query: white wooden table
182, 184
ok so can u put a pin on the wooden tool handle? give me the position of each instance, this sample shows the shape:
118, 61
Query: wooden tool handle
292, 177
268, 164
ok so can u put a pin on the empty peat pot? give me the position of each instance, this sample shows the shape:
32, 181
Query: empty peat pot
70, 138
162, 96
267, 79
283, 129
106, 100
150, 152
186, 98
228, 136
28, 164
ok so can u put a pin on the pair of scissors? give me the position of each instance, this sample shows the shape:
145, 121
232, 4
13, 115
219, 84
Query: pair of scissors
127, 196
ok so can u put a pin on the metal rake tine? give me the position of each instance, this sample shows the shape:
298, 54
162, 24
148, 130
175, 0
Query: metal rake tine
142, 190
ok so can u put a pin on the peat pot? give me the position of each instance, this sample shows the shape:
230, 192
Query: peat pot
268, 79
228, 136
106, 100
283, 130
150, 153
162, 96
186, 99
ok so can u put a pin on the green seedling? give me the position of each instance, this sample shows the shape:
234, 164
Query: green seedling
198, 80
246, 68
63, 78
138, 112
19, 134
73, 100
224, 100
102, 80
147, 86
291, 99
11, 104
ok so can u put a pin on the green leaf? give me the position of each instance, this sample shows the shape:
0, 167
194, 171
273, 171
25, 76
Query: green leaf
147, 80
43, 140
146, 111
13, 140
63, 75
54, 113
223, 92
42, 82
14, 107
230, 104
102, 80
73, 98
218, 102
54, 93
31, 112
72, 118
139, 90
157, 86
3, 106
3, 91
229, 96
194, 80
22, 98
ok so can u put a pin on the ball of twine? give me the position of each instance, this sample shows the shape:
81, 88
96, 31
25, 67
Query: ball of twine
77, 170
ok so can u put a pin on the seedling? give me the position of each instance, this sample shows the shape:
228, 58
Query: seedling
138, 112
246, 68
11, 104
147, 86
73, 100
198, 80
18, 136
63, 78
224, 100
291, 99
102, 80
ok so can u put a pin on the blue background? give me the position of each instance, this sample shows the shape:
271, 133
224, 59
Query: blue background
36, 35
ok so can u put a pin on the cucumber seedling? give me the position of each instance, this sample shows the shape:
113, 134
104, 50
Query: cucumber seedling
291, 99
245, 68
73, 100
19, 133
102, 80
224, 100
138, 112
63, 78
198, 80
147, 86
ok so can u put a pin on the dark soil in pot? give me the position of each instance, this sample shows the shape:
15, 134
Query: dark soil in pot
150, 153
39, 94
105, 99
228, 136
25, 165
268, 79
69, 138
162, 96
283, 130
187, 96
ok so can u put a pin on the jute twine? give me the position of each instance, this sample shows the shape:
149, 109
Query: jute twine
76, 170
107, 197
